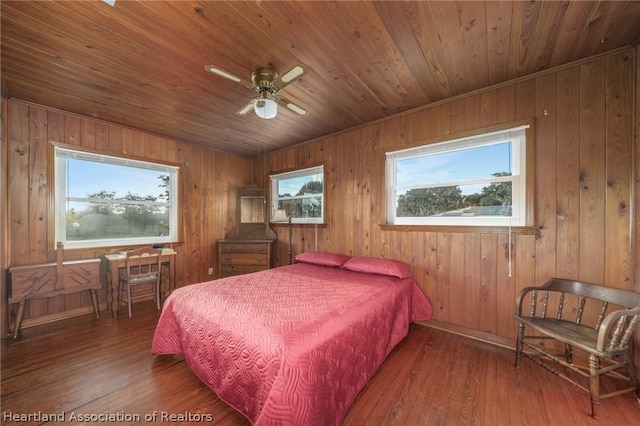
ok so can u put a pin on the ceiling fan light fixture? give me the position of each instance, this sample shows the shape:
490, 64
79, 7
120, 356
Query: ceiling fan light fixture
265, 108
268, 84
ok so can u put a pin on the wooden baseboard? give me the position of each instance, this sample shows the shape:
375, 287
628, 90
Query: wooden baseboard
451, 328
471, 333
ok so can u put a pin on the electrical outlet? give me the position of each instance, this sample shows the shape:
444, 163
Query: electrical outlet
210, 271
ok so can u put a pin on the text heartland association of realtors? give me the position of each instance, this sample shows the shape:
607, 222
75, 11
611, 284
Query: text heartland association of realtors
118, 417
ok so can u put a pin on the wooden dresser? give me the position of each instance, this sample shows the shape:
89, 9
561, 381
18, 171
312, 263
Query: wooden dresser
236, 257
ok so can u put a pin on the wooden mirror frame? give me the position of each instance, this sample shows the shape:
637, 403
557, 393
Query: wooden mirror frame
252, 224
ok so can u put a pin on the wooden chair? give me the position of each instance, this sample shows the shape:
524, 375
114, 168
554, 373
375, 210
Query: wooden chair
142, 267
590, 322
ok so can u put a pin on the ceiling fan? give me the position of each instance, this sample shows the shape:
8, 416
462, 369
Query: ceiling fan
268, 84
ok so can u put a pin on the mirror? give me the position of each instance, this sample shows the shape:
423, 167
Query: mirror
251, 209
251, 219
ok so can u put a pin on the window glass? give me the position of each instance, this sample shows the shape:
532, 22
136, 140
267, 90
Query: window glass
299, 194
103, 200
477, 180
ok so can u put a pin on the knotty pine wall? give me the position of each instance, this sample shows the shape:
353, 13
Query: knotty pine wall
583, 122
208, 181
587, 158
4, 244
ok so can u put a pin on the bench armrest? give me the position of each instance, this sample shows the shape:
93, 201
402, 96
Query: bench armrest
616, 330
523, 293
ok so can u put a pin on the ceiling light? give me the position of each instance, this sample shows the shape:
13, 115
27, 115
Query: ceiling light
265, 107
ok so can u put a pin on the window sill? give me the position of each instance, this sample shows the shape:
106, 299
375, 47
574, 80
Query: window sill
297, 225
505, 230
115, 247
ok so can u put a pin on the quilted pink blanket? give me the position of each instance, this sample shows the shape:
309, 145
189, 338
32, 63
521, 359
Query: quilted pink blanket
292, 345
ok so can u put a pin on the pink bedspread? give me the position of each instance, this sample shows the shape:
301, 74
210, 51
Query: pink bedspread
292, 345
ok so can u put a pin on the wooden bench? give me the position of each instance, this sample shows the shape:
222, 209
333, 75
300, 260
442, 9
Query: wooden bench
52, 279
593, 323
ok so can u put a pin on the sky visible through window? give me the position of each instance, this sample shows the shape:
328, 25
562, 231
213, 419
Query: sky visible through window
87, 177
292, 186
467, 164
101, 198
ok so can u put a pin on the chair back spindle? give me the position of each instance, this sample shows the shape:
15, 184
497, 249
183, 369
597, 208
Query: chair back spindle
545, 304
560, 306
581, 303
534, 301
603, 311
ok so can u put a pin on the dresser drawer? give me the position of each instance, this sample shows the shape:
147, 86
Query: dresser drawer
244, 259
244, 247
236, 257
230, 270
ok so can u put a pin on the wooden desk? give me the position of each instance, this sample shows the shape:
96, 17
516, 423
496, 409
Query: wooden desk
115, 262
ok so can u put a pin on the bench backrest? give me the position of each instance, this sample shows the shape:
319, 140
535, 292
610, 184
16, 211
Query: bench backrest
598, 300
628, 299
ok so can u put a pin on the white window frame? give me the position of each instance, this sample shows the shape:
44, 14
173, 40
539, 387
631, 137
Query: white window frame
518, 179
61, 154
293, 174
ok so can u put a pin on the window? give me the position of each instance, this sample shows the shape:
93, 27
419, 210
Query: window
474, 181
300, 193
106, 201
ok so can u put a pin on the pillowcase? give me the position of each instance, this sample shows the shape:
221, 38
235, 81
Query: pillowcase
378, 265
321, 258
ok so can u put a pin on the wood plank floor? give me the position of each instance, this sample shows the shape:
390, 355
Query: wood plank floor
91, 367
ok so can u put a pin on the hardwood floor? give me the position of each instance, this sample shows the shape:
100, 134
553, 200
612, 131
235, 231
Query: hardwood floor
89, 366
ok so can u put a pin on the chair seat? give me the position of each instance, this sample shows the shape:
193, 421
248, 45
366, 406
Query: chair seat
138, 280
567, 332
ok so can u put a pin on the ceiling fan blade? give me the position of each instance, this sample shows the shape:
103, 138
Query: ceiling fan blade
222, 73
294, 72
290, 105
248, 107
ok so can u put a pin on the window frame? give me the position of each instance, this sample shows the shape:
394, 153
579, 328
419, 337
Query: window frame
308, 171
522, 202
61, 152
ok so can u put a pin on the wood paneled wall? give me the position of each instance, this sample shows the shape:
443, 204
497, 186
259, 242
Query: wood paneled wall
635, 218
583, 125
4, 201
586, 200
208, 180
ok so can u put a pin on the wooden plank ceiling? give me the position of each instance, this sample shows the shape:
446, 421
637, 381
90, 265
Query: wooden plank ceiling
141, 64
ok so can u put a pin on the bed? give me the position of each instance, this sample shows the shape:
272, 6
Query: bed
293, 345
